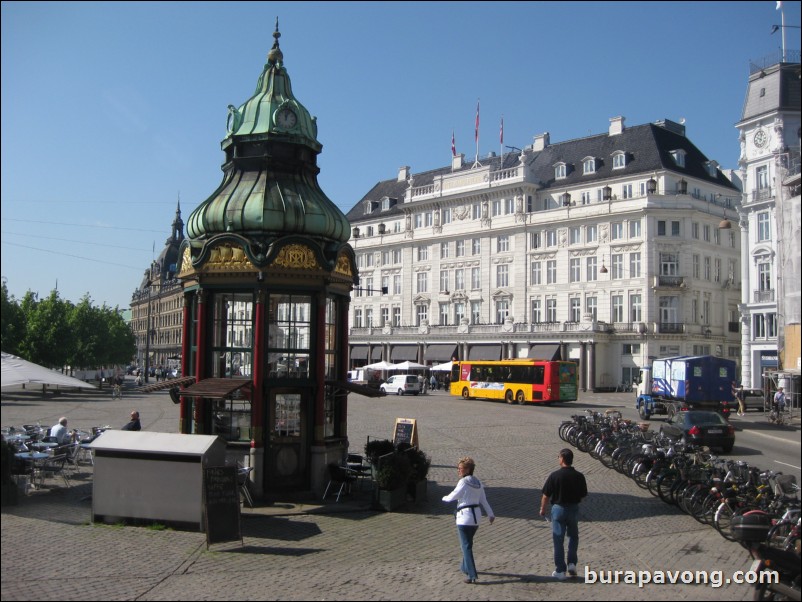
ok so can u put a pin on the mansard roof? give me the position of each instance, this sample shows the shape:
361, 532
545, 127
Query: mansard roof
648, 149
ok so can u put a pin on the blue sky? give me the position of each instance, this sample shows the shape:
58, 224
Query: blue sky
110, 111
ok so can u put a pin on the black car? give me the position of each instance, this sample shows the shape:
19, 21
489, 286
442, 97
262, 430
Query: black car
701, 428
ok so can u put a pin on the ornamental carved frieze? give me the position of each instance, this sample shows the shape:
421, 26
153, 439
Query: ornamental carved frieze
228, 256
296, 256
344, 266
186, 262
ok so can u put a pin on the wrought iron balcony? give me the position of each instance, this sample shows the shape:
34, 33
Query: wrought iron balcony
764, 296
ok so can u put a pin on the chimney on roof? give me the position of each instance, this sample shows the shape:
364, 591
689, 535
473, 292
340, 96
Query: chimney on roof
458, 161
541, 142
616, 125
403, 173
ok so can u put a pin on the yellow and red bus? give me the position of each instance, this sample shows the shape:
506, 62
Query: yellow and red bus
518, 380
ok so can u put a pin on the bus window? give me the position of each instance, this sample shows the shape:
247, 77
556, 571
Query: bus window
540, 371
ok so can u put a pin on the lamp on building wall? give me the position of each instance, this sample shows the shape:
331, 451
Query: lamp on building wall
603, 269
356, 232
382, 228
566, 198
651, 185
607, 193
708, 333
725, 224
682, 186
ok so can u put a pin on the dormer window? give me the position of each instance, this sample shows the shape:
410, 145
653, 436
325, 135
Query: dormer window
387, 203
619, 160
679, 157
712, 168
370, 206
560, 171
589, 165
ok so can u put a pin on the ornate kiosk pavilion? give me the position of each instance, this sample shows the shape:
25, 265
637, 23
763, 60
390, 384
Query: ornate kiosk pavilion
267, 273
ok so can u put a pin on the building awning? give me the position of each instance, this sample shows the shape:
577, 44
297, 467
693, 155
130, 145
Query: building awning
215, 388
355, 388
359, 352
401, 353
376, 353
485, 352
440, 352
545, 351
167, 384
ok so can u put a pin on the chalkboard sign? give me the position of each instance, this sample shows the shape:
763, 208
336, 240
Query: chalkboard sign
221, 504
406, 431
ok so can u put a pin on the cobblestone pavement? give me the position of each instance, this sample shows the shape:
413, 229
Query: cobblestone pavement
312, 550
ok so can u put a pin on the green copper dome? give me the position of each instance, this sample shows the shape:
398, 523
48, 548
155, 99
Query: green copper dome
270, 189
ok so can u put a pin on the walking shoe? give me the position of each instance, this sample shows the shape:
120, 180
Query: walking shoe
571, 569
470, 581
558, 575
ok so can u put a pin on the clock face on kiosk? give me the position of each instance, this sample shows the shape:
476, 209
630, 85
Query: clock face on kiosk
286, 118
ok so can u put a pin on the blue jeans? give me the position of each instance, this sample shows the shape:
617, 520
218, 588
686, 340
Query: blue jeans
565, 519
466, 533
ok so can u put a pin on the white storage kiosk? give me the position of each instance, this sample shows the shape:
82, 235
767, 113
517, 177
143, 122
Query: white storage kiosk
152, 476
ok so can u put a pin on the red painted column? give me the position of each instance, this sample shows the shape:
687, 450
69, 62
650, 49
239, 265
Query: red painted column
186, 360
200, 370
342, 368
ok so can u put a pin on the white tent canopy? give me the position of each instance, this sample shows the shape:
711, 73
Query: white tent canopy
17, 371
409, 366
446, 367
382, 365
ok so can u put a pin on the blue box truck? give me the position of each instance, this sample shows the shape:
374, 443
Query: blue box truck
672, 384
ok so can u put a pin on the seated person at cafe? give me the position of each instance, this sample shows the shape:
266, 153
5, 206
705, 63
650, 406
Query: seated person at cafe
134, 424
59, 432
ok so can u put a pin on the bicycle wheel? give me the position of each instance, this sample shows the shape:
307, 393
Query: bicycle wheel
664, 485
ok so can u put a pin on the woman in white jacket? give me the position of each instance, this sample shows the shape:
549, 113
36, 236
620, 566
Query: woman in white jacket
470, 495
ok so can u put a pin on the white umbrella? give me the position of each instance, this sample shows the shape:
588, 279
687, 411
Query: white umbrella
17, 371
382, 365
409, 366
446, 367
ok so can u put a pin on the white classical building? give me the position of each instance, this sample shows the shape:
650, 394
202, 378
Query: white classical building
606, 250
769, 222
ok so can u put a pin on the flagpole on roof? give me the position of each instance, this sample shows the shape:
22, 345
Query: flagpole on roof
453, 149
476, 137
501, 143
782, 23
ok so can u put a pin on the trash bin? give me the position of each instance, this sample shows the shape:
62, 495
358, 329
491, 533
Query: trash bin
152, 477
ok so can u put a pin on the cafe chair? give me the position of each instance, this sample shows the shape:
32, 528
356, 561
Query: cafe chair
339, 475
243, 474
356, 465
53, 467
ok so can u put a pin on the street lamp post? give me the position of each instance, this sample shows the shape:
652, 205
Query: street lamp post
147, 331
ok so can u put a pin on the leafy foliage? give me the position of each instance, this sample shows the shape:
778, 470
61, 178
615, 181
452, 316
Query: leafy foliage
55, 333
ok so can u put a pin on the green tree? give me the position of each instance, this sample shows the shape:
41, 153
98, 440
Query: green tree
120, 344
49, 340
87, 330
12, 329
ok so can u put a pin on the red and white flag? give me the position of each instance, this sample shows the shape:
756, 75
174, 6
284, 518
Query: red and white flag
453, 145
476, 135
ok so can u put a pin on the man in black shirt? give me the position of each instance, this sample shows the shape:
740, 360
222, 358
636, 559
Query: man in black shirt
565, 488
134, 424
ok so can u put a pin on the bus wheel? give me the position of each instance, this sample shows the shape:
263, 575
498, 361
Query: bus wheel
508, 396
520, 397
465, 394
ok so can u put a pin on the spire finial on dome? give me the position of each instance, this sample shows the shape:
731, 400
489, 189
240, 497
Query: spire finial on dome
275, 55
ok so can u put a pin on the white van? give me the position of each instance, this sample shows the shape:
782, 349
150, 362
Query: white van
402, 383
